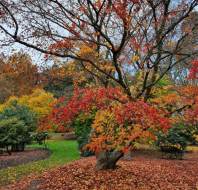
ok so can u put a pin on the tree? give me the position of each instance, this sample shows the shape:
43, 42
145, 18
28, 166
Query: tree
191, 115
85, 100
180, 104
194, 70
117, 130
112, 40
18, 76
39, 102
190, 44
127, 34
118, 123
61, 78
56, 79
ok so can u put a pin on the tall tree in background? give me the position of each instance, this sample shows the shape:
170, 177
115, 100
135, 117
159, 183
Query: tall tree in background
190, 45
18, 76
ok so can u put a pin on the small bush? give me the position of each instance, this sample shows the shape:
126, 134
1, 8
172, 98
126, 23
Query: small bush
174, 142
192, 130
40, 137
13, 134
16, 124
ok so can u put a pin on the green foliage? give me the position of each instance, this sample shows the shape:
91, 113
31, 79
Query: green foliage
16, 124
40, 137
165, 81
192, 130
12, 132
162, 87
82, 130
175, 140
58, 88
22, 113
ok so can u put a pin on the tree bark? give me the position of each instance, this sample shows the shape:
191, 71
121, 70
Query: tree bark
18, 147
7, 149
107, 160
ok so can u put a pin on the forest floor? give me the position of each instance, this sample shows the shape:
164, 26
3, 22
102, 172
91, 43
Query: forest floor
145, 171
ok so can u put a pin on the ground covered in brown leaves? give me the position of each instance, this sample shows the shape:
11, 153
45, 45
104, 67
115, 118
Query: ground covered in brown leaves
141, 173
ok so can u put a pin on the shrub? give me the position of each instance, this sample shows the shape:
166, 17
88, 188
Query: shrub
21, 112
17, 122
13, 134
174, 142
40, 137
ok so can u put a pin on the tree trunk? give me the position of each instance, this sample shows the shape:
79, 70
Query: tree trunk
18, 147
107, 160
7, 149
14, 147
21, 147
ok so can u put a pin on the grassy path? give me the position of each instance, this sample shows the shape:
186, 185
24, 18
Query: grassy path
62, 152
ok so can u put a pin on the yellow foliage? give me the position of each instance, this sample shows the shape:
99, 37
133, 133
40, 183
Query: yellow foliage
86, 50
8, 103
40, 102
107, 134
166, 99
135, 58
104, 129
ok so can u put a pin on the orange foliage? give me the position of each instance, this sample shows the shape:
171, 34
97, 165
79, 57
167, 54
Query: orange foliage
19, 75
83, 100
121, 126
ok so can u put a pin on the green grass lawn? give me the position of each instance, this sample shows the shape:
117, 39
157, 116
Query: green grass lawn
192, 148
62, 152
